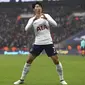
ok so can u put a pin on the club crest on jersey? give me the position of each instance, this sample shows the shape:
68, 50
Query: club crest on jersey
42, 28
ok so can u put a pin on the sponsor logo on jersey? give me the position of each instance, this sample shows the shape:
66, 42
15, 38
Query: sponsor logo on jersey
42, 28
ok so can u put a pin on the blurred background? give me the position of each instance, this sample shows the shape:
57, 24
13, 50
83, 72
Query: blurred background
15, 43
69, 14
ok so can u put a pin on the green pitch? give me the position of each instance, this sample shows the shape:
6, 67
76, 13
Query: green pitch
42, 71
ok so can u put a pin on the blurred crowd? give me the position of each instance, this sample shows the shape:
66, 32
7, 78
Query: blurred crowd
12, 26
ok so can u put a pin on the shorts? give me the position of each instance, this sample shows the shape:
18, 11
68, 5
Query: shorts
49, 49
82, 48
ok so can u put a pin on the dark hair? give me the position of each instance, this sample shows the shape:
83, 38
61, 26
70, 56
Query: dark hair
33, 5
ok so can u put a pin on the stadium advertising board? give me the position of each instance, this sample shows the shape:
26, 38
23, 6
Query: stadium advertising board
15, 52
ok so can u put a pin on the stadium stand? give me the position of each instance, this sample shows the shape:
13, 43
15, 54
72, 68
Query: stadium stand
12, 25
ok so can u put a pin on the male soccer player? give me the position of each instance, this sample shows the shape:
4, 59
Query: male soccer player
41, 23
82, 46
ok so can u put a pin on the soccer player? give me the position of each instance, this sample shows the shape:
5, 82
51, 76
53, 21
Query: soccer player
82, 46
41, 23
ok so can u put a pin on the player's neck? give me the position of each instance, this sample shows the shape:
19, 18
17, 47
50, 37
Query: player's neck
38, 15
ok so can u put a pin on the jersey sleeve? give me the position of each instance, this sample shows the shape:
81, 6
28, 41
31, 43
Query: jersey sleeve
51, 20
29, 24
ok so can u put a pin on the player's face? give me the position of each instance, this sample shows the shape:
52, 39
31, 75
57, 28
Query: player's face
38, 8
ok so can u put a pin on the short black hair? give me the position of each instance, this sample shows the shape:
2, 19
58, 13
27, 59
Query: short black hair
33, 5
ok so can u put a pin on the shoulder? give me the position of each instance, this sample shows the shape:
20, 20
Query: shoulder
32, 18
47, 15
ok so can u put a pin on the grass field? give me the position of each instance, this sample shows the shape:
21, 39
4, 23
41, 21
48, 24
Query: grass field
42, 71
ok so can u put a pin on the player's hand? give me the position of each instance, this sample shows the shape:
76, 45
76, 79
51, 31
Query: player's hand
44, 16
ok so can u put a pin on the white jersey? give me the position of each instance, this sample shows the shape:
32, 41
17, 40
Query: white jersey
41, 28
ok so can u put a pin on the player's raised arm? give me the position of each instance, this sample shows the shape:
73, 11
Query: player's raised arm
43, 41
29, 24
51, 20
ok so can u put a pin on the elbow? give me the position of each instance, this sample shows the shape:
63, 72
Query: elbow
55, 25
26, 29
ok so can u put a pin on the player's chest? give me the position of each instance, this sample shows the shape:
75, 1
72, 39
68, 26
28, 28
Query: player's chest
40, 24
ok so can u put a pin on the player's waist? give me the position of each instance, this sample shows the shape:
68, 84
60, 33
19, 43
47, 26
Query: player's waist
43, 41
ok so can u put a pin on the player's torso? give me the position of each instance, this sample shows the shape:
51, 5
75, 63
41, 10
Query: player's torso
82, 43
42, 31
